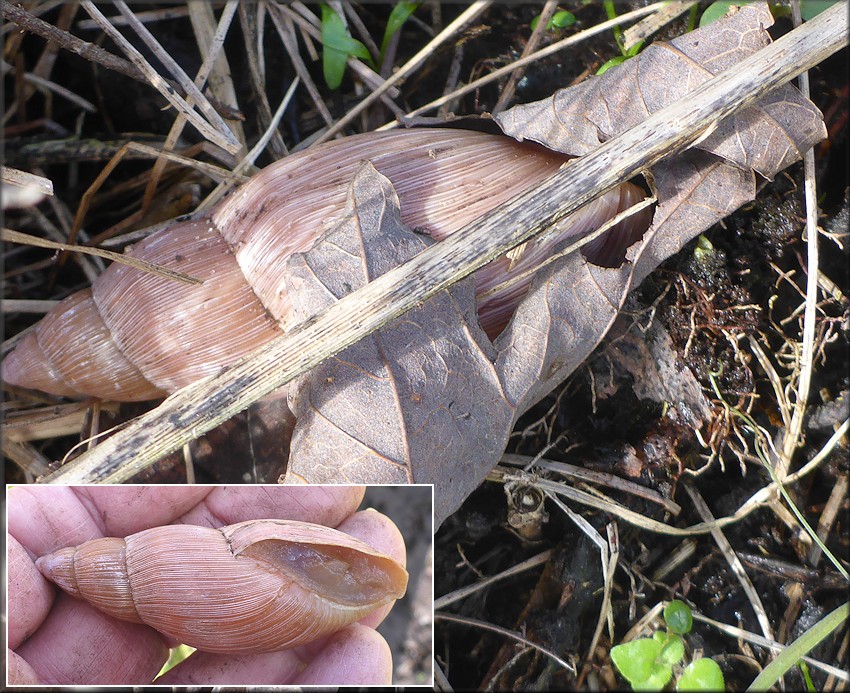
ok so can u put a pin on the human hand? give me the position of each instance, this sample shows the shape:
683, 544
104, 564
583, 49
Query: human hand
62, 640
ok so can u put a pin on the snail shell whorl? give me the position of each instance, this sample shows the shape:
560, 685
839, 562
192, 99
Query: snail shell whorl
257, 586
138, 336
82, 572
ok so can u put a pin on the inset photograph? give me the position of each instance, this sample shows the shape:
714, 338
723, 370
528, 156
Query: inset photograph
219, 585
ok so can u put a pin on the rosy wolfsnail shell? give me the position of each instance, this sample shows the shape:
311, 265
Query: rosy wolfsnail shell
136, 336
256, 586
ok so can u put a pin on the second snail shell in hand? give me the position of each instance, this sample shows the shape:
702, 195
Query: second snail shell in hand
257, 586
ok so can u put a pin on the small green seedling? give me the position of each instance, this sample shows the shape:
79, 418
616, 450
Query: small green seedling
337, 46
648, 663
617, 60
619, 38
399, 15
559, 20
704, 250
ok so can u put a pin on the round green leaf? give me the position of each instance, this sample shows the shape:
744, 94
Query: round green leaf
701, 675
635, 660
562, 19
678, 617
672, 650
559, 20
660, 677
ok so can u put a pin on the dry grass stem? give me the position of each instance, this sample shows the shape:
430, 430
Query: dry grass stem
473, 11
440, 616
17, 237
761, 641
509, 89
522, 62
594, 477
733, 561
837, 500
58, 89
210, 36
19, 16
252, 22
245, 166
210, 42
146, 17
645, 28
285, 29
31, 461
793, 433
220, 135
462, 593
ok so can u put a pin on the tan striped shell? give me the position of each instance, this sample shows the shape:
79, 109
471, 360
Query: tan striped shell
256, 586
137, 336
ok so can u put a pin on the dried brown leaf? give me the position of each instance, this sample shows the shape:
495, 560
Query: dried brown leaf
423, 390
428, 398
765, 137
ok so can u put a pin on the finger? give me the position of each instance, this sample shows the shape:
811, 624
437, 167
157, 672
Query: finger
325, 505
46, 518
19, 672
355, 656
30, 595
129, 509
205, 668
77, 644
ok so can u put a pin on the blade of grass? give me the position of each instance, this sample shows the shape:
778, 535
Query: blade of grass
801, 646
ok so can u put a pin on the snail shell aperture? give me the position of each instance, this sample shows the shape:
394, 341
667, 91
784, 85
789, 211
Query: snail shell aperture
257, 586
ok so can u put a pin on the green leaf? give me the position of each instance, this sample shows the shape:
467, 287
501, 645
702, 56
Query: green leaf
718, 9
672, 650
337, 45
559, 20
635, 660
178, 654
660, 677
701, 675
678, 617
634, 50
611, 63
333, 66
562, 20
400, 14
807, 677
801, 646
810, 8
